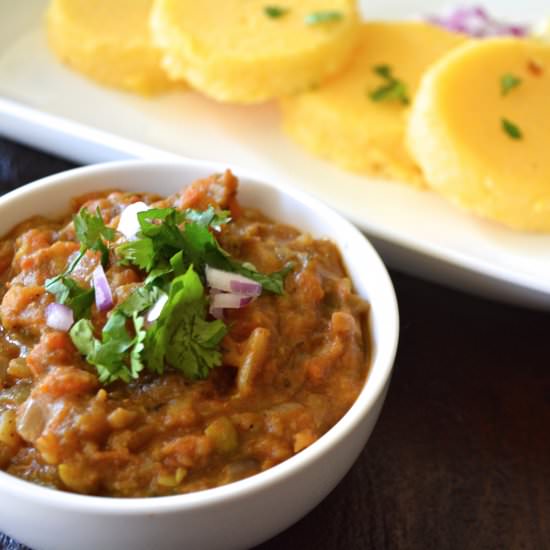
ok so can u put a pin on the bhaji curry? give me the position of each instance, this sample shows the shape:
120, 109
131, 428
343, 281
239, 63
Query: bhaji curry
170, 346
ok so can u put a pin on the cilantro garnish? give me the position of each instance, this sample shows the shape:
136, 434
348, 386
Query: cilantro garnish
107, 355
158, 242
508, 82
166, 244
392, 90
159, 275
118, 354
136, 362
140, 299
208, 218
181, 336
275, 11
173, 248
322, 17
511, 129
67, 291
274, 282
91, 232
139, 252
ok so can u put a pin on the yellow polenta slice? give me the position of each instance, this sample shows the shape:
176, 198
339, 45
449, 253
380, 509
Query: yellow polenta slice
109, 41
342, 123
247, 51
484, 146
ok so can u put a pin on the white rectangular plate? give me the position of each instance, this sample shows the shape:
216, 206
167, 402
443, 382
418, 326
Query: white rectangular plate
44, 104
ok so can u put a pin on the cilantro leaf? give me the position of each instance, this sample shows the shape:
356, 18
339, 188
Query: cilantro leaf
203, 249
91, 231
60, 287
508, 82
181, 336
142, 298
273, 282
208, 218
200, 246
140, 252
90, 228
384, 71
322, 17
82, 335
136, 363
157, 242
118, 354
513, 131
67, 291
275, 11
55, 285
115, 330
81, 301
168, 230
177, 263
392, 90
162, 243
106, 356
158, 275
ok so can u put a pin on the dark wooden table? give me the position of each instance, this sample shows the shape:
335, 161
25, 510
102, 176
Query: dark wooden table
460, 458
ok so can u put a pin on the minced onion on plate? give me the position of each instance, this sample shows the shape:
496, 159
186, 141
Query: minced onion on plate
475, 21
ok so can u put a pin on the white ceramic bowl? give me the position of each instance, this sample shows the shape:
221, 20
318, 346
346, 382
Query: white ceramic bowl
246, 512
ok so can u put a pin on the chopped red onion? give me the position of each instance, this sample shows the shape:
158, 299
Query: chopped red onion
103, 295
59, 317
476, 22
128, 223
247, 288
230, 301
232, 282
156, 309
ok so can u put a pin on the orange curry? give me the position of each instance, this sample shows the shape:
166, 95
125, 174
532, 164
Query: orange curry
291, 364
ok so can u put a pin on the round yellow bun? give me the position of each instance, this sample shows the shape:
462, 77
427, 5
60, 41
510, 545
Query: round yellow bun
457, 131
340, 121
108, 41
233, 51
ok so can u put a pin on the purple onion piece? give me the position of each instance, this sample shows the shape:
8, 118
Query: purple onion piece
229, 301
481, 13
232, 282
103, 295
516, 30
59, 317
477, 22
248, 288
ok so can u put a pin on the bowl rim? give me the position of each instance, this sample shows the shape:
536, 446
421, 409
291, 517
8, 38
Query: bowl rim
372, 391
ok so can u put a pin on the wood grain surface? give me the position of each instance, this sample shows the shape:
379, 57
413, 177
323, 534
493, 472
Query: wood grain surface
460, 458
